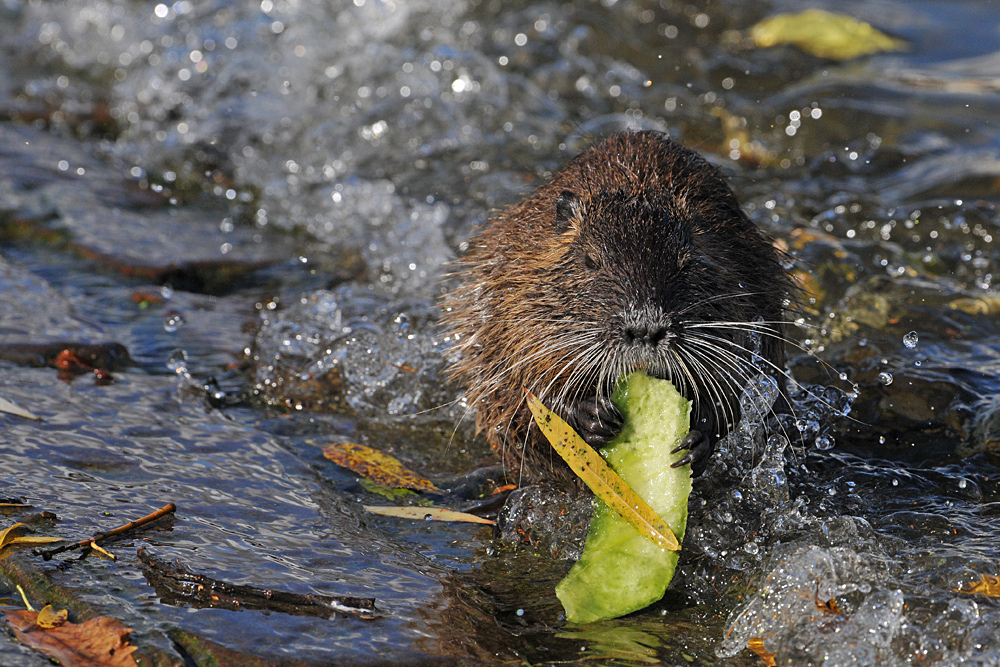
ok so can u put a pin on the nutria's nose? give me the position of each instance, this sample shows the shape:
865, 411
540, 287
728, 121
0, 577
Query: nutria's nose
648, 333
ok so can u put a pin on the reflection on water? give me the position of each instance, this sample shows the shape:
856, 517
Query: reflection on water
259, 200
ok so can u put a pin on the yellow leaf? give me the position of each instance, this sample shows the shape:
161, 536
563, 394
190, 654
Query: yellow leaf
427, 514
50, 618
823, 34
8, 535
983, 305
34, 539
757, 646
15, 535
988, 585
377, 466
598, 475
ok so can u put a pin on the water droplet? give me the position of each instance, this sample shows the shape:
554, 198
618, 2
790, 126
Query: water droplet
885, 378
824, 443
910, 340
173, 322
177, 362
962, 483
520, 612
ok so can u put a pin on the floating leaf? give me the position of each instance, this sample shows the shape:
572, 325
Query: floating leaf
14, 409
427, 514
49, 618
16, 535
988, 585
100, 642
377, 466
823, 34
757, 646
598, 475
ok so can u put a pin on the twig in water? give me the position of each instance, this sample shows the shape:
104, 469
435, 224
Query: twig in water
87, 543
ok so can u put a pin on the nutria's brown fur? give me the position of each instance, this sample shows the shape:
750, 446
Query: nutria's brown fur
635, 255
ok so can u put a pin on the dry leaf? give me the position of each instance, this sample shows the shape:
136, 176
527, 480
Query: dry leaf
599, 476
49, 618
16, 535
15, 409
823, 34
757, 646
377, 466
426, 514
100, 642
988, 585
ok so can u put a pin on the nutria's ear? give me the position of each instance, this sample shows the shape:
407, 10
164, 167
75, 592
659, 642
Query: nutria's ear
569, 211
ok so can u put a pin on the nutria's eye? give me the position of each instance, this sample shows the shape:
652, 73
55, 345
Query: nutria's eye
591, 262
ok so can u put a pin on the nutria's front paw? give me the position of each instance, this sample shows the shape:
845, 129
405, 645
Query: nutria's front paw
699, 451
596, 419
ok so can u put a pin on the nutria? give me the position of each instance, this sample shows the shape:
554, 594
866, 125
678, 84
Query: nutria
635, 255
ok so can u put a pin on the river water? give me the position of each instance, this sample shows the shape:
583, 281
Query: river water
259, 201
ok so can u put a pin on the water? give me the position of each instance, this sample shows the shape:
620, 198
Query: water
259, 200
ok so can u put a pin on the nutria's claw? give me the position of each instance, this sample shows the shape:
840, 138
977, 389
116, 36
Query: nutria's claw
596, 419
699, 450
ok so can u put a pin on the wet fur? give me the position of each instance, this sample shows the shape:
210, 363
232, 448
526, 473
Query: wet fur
635, 255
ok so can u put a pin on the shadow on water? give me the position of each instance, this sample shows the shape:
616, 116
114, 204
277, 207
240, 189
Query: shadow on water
259, 201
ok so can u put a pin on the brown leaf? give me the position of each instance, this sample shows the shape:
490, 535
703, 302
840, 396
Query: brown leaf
377, 466
988, 585
600, 477
426, 514
100, 642
757, 646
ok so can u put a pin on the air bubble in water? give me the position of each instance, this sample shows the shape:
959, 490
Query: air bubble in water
885, 378
910, 340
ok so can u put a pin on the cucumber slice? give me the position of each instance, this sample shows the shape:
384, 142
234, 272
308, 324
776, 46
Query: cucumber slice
620, 570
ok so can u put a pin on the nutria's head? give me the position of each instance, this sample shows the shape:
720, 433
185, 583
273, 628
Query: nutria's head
636, 255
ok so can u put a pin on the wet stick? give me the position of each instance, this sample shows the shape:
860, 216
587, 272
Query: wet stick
622, 570
166, 510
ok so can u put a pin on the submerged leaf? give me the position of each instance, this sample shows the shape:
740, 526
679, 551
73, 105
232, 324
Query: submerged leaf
100, 642
988, 585
426, 514
599, 476
757, 646
377, 466
823, 34
982, 305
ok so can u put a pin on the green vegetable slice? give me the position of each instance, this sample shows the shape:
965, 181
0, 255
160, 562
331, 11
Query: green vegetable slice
620, 570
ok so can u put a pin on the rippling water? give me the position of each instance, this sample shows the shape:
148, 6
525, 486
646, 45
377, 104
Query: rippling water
259, 201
